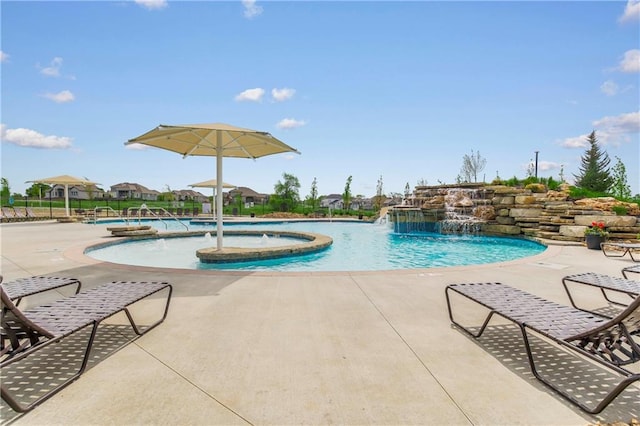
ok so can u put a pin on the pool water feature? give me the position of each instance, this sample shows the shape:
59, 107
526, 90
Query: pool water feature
357, 246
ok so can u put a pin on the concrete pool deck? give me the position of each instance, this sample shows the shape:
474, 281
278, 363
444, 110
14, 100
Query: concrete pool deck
307, 348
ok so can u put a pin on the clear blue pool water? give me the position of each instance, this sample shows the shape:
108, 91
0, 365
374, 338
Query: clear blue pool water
356, 247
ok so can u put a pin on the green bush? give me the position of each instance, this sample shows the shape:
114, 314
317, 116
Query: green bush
620, 210
514, 181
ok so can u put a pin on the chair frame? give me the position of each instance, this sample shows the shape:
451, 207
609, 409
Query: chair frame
606, 341
36, 328
626, 248
604, 283
23, 287
635, 269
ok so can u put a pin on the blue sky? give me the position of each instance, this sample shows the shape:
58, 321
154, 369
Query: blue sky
398, 90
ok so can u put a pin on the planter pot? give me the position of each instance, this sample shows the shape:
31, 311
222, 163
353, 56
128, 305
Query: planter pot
593, 241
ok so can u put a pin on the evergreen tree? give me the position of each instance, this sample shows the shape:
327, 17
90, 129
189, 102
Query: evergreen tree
594, 168
620, 187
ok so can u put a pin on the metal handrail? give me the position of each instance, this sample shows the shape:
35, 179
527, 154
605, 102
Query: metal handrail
96, 210
144, 207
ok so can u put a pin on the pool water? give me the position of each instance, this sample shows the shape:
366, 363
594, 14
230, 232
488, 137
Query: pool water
356, 247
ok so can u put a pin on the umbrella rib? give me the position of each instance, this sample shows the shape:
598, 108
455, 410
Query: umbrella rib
195, 146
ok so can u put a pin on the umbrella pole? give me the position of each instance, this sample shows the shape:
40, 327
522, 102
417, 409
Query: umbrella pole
66, 199
219, 189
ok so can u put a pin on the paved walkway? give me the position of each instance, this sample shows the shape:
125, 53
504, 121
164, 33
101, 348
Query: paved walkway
312, 348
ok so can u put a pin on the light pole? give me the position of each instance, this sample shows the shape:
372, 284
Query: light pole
537, 164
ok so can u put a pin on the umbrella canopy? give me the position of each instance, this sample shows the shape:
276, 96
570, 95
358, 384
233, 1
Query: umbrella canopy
65, 180
216, 140
211, 183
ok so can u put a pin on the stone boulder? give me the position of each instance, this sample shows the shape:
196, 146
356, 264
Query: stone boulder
572, 231
485, 212
608, 220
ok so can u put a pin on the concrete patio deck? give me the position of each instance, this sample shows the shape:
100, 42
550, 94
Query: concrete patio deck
313, 348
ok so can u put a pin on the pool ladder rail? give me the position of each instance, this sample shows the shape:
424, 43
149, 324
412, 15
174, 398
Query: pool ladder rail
139, 213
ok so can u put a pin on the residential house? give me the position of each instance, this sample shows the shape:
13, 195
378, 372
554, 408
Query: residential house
333, 201
133, 191
189, 195
249, 196
76, 192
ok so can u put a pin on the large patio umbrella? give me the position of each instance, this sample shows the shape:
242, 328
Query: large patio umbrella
65, 180
212, 183
216, 140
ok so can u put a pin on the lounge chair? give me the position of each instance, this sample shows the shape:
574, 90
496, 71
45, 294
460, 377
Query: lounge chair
20, 216
620, 250
607, 341
630, 269
605, 283
30, 213
23, 287
32, 330
8, 214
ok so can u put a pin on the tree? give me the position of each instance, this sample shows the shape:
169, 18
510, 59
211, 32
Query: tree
471, 166
286, 192
594, 168
346, 195
37, 190
379, 198
620, 187
312, 199
5, 192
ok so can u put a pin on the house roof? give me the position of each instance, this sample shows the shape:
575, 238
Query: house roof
246, 192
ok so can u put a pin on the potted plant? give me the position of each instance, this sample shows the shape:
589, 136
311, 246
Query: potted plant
595, 235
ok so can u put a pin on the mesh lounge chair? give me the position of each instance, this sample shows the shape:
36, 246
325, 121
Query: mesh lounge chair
23, 287
605, 283
36, 328
30, 213
630, 269
9, 214
606, 341
610, 249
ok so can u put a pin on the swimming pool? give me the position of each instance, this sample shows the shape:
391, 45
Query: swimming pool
357, 246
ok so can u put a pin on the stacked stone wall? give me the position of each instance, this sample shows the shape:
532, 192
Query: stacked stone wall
549, 215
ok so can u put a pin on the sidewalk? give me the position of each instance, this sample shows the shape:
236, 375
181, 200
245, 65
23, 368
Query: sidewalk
312, 348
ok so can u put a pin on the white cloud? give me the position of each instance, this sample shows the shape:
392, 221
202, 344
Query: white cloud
283, 94
631, 61
60, 97
543, 166
250, 9
3, 56
254, 95
290, 123
609, 88
31, 138
53, 70
631, 11
137, 146
548, 165
152, 4
612, 130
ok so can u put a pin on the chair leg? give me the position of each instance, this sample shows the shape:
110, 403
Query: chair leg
138, 330
621, 386
20, 408
465, 329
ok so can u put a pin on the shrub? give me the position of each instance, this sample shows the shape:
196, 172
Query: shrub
620, 210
